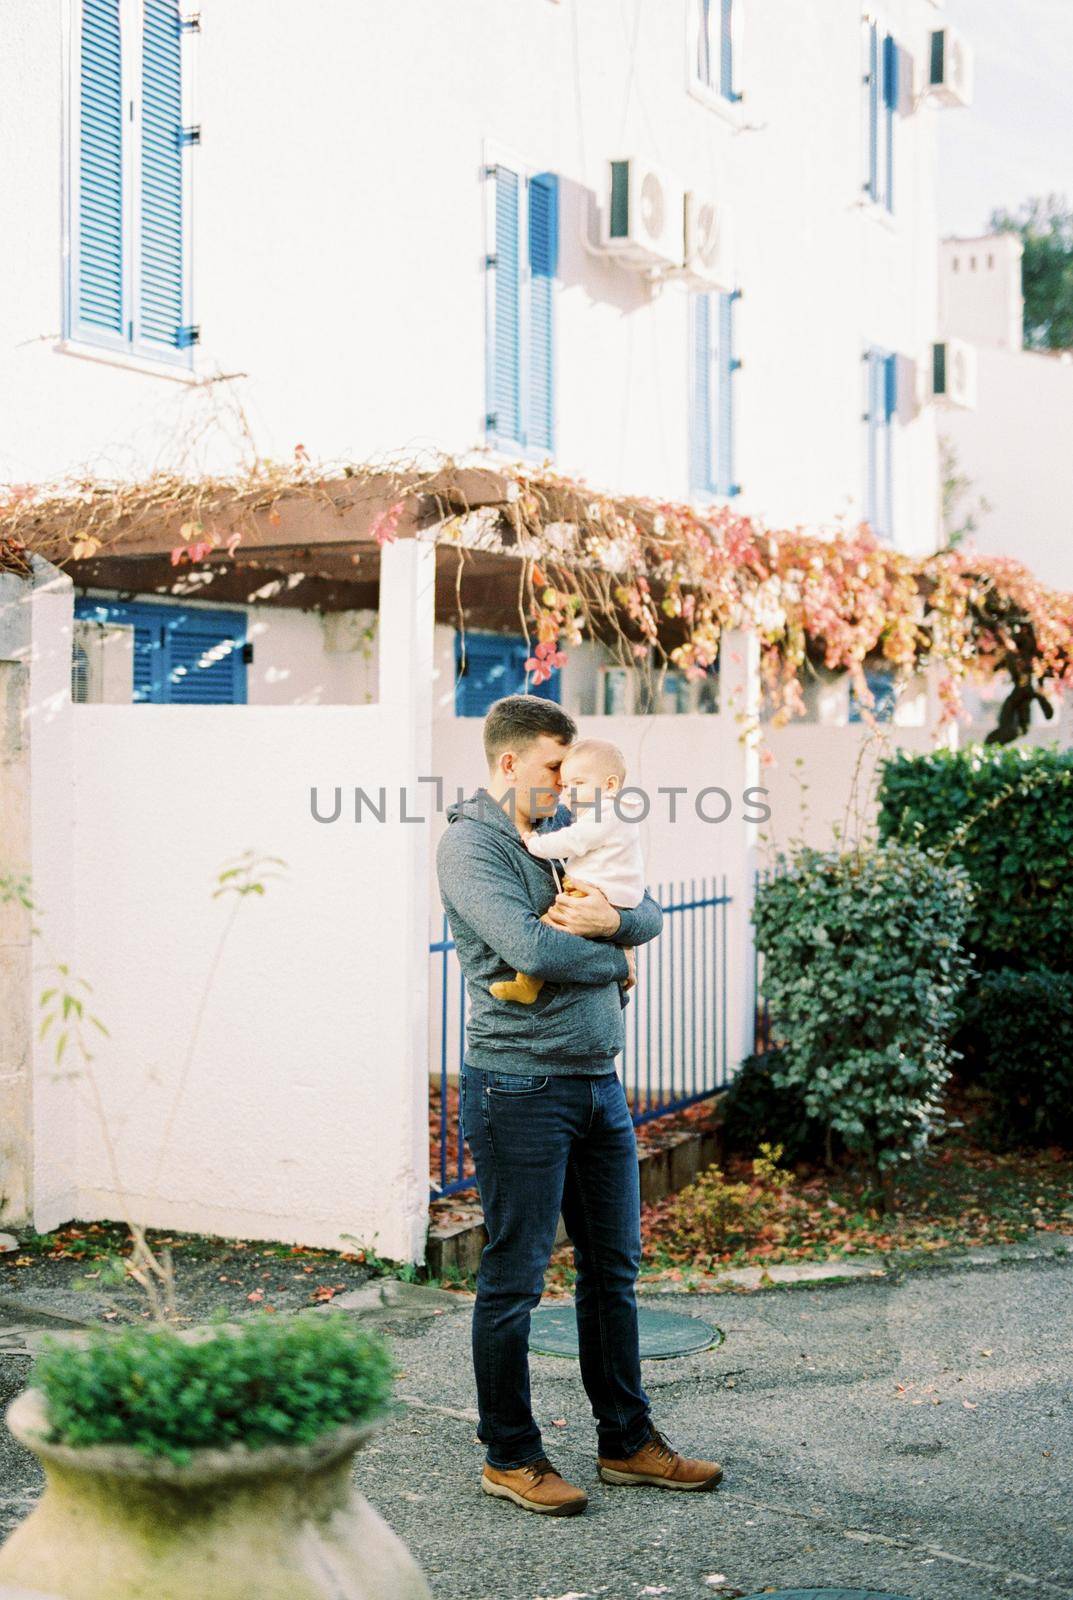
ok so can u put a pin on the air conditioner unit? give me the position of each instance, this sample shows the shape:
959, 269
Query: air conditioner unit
950, 68
708, 244
102, 662
953, 374
643, 222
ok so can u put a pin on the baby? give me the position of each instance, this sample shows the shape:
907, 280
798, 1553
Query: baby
602, 847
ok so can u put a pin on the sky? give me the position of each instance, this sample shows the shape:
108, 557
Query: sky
1016, 139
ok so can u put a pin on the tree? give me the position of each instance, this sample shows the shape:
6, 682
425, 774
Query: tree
1045, 227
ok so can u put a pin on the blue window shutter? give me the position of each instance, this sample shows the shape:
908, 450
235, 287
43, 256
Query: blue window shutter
182, 656
700, 451
890, 73
203, 657
704, 41
882, 372
890, 104
871, 498
726, 50
99, 296
727, 366
873, 110
890, 387
505, 355
494, 666
543, 266
160, 309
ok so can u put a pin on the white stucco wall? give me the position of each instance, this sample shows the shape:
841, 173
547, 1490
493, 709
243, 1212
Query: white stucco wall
339, 242
292, 1124
1015, 449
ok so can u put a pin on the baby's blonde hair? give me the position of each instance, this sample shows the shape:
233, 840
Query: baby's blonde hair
605, 756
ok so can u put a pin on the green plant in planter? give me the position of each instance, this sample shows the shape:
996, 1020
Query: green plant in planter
268, 1383
863, 966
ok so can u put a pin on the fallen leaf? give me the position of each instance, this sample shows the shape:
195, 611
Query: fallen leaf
970, 1405
558, 1422
24, 1261
985, 1352
258, 1294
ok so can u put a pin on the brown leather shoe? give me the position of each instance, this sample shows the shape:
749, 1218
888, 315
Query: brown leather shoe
656, 1462
535, 1487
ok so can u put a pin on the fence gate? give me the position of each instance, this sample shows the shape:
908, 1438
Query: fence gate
676, 1023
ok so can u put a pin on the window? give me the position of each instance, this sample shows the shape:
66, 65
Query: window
494, 665
129, 188
880, 681
522, 264
712, 368
881, 384
182, 655
713, 62
881, 81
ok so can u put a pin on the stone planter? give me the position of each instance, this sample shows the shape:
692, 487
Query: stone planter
283, 1523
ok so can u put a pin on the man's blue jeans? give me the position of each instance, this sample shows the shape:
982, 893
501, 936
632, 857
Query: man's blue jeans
542, 1145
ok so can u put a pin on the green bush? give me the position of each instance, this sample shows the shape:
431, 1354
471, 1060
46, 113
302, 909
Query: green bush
756, 1109
862, 970
272, 1382
1022, 1023
1005, 813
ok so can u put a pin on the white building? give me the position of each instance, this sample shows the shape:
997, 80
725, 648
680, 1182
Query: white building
385, 232
1013, 445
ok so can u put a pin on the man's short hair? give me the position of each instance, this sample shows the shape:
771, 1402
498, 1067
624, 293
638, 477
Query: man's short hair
518, 721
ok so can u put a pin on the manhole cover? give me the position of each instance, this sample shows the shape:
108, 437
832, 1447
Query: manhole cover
826, 1594
663, 1334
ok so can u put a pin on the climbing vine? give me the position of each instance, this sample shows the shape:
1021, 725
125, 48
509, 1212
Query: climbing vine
657, 583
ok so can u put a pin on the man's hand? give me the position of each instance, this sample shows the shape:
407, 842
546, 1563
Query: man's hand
589, 913
630, 981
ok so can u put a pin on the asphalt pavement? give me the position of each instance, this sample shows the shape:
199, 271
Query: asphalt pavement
911, 1437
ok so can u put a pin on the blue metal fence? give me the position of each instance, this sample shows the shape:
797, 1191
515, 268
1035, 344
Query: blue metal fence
676, 1023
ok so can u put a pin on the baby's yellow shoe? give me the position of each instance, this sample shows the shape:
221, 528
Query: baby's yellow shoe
522, 989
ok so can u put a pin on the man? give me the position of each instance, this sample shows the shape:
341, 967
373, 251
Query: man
546, 1117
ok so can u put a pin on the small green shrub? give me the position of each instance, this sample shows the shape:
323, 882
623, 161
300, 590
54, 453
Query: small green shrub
713, 1215
862, 970
757, 1109
1022, 1025
1006, 813
272, 1382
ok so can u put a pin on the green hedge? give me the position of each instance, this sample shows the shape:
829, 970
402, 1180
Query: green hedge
1022, 1023
862, 971
274, 1381
1006, 814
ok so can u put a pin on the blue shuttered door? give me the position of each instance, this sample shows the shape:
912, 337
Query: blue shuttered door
160, 309
494, 666
182, 656
505, 408
99, 289
543, 265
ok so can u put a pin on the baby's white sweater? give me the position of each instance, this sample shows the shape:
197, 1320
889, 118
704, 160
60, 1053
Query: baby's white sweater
606, 853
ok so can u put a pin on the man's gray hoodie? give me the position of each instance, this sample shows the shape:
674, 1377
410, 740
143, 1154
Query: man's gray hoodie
494, 893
